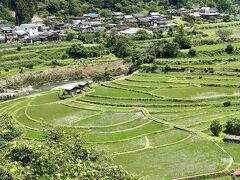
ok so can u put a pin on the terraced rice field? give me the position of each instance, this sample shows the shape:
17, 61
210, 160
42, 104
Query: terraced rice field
152, 124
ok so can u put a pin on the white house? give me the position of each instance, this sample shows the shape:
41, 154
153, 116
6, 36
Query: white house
31, 29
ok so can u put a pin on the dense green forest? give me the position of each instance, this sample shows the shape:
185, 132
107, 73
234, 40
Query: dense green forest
25, 8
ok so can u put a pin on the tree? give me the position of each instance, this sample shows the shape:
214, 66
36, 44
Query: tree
224, 5
233, 126
229, 49
119, 45
24, 10
215, 127
170, 50
182, 40
142, 35
223, 34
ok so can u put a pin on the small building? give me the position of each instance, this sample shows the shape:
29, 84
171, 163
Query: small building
139, 15
208, 13
158, 24
232, 138
76, 88
76, 20
31, 29
155, 15
236, 174
92, 16
49, 36
89, 27
52, 18
143, 21
40, 22
133, 31
122, 27
7, 31
21, 35
129, 19
118, 15
60, 26
37, 20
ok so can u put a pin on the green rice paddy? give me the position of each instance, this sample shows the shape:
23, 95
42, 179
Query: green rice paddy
154, 124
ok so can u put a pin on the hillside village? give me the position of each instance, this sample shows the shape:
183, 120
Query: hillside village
51, 29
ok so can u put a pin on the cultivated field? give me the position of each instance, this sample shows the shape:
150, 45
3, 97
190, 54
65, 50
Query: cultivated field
155, 124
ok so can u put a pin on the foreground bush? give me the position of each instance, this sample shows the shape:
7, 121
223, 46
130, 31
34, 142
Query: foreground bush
59, 157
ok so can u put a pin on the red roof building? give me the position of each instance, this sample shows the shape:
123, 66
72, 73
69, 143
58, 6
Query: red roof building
236, 173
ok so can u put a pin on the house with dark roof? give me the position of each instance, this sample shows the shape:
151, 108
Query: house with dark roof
60, 26
49, 36
7, 31
129, 19
21, 35
88, 27
208, 13
118, 15
74, 89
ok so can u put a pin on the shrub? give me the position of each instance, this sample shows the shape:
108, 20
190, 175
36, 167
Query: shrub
148, 67
166, 68
106, 76
63, 95
21, 70
227, 103
70, 37
29, 66
229, 49
215, 127
233, 126
223, 34
170, 50
19, 48
192, 52
80, 51
184, 43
